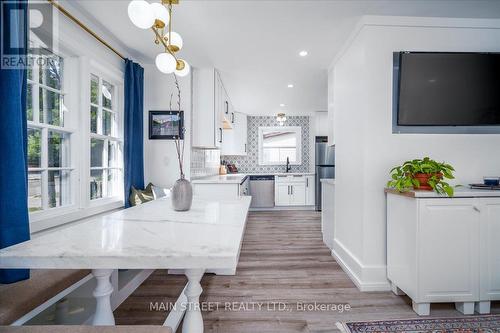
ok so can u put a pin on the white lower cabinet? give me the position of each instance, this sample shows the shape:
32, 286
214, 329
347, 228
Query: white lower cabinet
489, 261
310, 190
327, 213
444, 250
291, 190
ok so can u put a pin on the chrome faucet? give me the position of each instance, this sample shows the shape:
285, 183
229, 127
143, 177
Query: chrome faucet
288, 167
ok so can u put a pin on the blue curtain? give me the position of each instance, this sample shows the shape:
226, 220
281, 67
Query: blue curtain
14, 223
134, 115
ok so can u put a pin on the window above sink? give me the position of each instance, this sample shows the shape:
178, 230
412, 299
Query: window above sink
277, 143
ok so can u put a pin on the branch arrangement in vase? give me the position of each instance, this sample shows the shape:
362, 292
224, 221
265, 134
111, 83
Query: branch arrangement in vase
179, 143
422, 174
182, 192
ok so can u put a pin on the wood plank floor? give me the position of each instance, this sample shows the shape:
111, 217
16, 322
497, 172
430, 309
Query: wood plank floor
283, 260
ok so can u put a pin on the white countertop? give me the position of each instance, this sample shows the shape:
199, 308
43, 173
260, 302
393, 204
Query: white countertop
328, 181
151, 235
460, 192
237, 178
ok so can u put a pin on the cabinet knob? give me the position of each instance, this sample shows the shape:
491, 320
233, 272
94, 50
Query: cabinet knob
477, 209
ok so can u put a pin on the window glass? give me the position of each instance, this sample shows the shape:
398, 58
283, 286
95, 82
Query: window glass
51, 73
58, 188
34, 191
107, 95
58, 150
93, 119
34, 148
96, 152
96, 177
51, 107
107, 122
29, 102
94, 89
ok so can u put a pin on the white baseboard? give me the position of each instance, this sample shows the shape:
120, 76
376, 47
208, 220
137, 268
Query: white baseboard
366, 278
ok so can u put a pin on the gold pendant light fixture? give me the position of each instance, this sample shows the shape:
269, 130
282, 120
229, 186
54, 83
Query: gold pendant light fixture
158, 17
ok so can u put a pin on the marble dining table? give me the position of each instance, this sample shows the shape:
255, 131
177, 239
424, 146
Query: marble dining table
148, 236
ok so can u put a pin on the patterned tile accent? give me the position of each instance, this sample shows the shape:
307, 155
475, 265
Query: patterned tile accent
250, 163
204, 162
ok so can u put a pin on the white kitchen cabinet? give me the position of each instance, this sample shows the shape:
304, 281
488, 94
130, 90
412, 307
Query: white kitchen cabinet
298, 194
235, 139
444, 250
210, 102
327, 211
489, 278
291, 190
310, 190
321, 127
330, 127
282, 193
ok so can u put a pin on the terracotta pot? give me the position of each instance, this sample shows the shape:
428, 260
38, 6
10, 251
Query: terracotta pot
423, 179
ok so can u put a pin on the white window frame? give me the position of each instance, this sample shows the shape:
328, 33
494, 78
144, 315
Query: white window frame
298, 133
77, 99
104, 74
44, 128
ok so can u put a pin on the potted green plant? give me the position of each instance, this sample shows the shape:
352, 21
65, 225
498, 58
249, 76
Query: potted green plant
422, 174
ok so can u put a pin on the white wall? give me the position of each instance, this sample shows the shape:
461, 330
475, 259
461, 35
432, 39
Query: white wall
366, 149
160, 158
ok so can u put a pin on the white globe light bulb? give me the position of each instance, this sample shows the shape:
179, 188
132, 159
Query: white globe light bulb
185, 71
166, 63
174, 39
141, 14
160, 12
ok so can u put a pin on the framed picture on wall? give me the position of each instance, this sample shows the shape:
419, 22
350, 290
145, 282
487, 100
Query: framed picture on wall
166, 125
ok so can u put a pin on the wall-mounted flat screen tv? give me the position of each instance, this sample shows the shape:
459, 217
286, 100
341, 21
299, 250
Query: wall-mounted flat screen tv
447, 89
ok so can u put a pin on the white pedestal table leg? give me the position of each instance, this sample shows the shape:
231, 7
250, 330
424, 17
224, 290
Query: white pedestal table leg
103, 313
193, 321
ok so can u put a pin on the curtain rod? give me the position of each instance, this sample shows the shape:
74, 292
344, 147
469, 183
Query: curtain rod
84, 27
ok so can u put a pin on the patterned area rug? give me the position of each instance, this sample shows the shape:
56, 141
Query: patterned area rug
469, 324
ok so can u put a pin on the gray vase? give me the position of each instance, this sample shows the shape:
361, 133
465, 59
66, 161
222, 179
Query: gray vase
182, 195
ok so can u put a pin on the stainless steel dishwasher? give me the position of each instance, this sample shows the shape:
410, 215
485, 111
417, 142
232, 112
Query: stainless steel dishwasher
262, 191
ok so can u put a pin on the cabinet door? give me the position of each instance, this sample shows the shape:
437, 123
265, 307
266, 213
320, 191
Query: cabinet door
235, 139
330, 127
448, 250
219, 107
327, 214
283, 195
204, 120
489, 249
241, 123
310, 191
298, 195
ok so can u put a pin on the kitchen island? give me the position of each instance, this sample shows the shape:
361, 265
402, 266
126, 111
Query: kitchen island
149, 236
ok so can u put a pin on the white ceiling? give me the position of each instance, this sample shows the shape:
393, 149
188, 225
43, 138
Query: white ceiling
255, 44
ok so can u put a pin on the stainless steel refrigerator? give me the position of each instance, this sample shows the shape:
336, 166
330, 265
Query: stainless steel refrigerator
325, 165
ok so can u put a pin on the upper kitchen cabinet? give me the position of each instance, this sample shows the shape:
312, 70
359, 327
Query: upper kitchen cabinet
211, 109
235, 139
321, 124
331, 138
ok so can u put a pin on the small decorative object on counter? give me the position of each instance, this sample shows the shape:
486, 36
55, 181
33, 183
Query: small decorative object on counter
222, 168
182, 192
422, 174
491, 181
